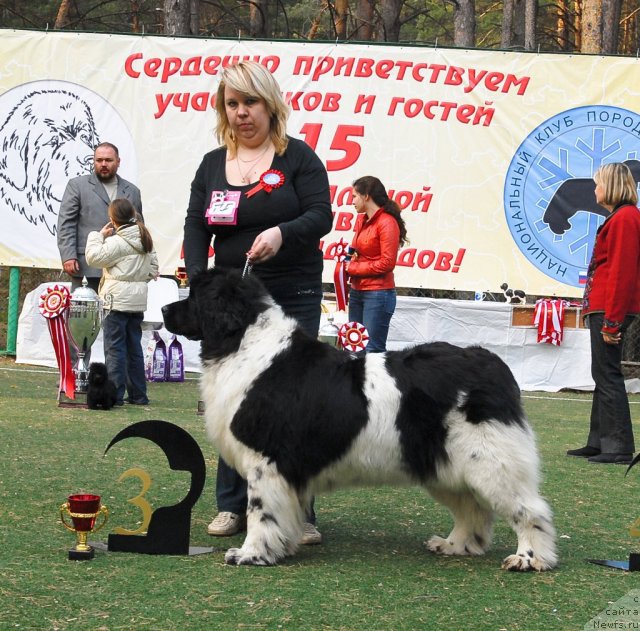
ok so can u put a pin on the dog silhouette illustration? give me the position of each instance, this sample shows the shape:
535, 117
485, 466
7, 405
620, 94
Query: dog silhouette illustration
575, 195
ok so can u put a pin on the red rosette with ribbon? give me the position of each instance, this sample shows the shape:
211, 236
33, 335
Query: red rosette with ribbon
353, 336
269, 181
340, 279
54, 306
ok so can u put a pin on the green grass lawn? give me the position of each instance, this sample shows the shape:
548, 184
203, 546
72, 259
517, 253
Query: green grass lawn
372, 572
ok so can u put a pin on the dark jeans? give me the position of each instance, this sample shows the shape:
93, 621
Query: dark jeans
610, 429
373, 309
122, 335
303, 304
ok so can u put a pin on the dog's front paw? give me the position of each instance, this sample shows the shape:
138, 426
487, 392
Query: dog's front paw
239, 556
523, 563
439, 545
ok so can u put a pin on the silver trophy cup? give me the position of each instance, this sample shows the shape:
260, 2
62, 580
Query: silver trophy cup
83, 326
328, 332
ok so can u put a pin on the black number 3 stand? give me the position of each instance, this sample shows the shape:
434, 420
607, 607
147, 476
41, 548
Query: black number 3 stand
169, 526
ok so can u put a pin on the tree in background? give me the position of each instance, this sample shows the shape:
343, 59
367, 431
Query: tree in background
589, 26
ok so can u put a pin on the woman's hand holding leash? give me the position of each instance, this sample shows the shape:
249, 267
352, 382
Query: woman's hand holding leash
266, 245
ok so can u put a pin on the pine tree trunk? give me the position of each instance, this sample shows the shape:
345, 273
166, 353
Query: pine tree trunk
341, 8
62, 18
562, 25
506, 35
530, 13
364, 20
610, 25
177, 17
464, 24
258, 18
591, 27
194, 17
390, 13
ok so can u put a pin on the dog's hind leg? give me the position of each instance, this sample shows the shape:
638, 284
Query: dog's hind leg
531, 520
472, 529
274, 519
508, 485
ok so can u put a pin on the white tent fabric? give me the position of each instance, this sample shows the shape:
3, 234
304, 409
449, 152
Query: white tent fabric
535, 366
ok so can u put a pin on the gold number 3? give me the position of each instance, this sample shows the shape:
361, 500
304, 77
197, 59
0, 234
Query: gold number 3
634, 531
138, 501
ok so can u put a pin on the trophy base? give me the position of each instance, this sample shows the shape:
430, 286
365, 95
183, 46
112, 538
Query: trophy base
79, 402
632, 565
103, 546
81, 555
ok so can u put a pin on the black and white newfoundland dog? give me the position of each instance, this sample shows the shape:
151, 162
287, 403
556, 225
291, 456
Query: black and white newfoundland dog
296, 417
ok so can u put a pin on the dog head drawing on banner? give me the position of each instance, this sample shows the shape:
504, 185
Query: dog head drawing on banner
47, 138
48, 132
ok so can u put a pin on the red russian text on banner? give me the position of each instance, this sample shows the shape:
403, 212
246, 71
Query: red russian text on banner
340, 281
353, 336
54, 306
268, 181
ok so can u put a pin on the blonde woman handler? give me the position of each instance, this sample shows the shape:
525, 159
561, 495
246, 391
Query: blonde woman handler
611, 302
279, 231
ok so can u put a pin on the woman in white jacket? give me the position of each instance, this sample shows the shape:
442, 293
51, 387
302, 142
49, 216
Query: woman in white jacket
124, 249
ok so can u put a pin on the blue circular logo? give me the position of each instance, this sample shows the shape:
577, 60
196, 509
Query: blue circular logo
549, 193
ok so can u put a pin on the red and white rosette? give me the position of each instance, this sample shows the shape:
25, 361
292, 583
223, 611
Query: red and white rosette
54, 306
340, 280
353, 336
269, 180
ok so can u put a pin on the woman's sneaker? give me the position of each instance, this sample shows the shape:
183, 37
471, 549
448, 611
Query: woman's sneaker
310, 535
226, 524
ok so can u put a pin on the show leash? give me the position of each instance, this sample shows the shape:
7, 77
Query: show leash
247, 267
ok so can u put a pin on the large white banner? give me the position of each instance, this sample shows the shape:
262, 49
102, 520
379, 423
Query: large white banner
490, 154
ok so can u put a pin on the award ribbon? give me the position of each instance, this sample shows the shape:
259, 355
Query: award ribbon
54, 306
353, 336
269, 180
340, 281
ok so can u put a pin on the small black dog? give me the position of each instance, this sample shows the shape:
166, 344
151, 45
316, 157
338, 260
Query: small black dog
101, 391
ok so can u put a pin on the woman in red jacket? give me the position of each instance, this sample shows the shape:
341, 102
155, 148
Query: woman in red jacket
611, 302
379, 233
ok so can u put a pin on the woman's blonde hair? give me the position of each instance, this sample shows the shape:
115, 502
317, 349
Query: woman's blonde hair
617, 183
252, 79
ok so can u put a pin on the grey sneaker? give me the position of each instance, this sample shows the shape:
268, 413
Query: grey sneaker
226, 524
311, 535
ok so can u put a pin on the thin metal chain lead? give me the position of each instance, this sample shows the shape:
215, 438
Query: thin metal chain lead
247, 268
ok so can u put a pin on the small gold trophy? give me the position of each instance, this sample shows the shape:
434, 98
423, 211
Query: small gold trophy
83, 509
181, 275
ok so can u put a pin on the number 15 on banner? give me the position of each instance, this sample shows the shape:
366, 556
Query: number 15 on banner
342, 141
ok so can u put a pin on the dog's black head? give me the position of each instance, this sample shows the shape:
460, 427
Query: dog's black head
98, 374
220, 307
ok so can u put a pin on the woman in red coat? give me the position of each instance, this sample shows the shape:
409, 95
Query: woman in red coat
611, 302
379, 233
